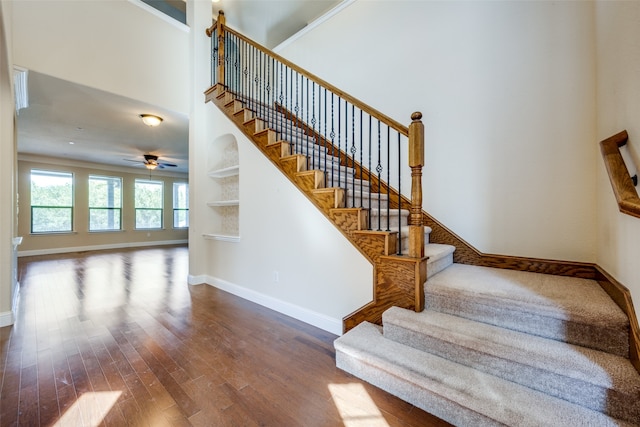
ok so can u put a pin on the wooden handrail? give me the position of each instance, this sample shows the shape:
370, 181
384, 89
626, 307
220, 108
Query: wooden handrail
364, 107
625, 192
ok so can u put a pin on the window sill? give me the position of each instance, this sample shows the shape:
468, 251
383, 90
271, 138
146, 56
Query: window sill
52, 233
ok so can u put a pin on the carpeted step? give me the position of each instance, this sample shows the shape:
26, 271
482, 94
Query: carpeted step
366, 199
590, 378
384, 220
566, 309
440, 257
458, 394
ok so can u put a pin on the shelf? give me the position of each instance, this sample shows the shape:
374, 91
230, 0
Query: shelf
224, 203
221, 237
226, 172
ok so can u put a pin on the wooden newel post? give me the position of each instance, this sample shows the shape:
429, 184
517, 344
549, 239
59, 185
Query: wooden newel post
416, 162
221, 36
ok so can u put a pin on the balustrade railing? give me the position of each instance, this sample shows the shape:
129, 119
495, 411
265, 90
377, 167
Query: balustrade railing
358, 148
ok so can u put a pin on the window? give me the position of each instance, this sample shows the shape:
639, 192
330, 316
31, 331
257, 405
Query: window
105, 203
180, 205
149, 202
51, 202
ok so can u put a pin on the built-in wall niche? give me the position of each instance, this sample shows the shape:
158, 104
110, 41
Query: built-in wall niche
224, 198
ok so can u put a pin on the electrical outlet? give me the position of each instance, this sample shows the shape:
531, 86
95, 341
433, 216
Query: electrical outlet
276, 276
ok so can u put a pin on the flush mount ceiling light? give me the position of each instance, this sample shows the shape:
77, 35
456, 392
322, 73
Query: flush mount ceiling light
151, 120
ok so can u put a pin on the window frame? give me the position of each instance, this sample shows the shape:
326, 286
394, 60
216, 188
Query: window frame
33, 207
180, 209
140, 209
90, 208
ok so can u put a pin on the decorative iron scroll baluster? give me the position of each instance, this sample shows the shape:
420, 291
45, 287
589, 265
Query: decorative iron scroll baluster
214, 56
379, 170
353, 154
313, 125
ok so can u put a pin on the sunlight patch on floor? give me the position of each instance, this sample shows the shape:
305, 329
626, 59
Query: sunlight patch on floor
89, 410
355, 406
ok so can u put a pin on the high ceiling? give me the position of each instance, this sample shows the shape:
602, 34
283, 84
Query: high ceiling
105, 128
270, 22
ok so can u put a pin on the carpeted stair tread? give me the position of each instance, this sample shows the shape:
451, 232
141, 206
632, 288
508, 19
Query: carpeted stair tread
591, 378
456, 393
440, 257
567, 309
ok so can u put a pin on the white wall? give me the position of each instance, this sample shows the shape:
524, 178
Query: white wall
507, 91
200, 128
7, 166
114, 46
618, 24
322, 277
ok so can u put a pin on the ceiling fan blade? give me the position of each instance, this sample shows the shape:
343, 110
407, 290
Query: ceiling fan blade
171, 165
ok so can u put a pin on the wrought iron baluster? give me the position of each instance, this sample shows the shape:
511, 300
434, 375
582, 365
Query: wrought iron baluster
338, 138
353, 154
281, 99
361, 161
306, 124
316, 146
389, 180
332, 136
399, 185
326, 149
214, 57
369, 168
379, 170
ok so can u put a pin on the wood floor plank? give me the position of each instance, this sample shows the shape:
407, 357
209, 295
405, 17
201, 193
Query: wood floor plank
100, 340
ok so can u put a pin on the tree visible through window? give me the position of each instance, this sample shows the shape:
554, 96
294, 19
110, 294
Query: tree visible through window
105, 203
180, 205
51, 201
148, 202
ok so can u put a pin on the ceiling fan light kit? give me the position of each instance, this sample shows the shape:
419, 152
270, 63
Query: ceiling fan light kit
151, 120
151, 162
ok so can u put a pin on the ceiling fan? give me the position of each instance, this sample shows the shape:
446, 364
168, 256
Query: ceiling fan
151, 162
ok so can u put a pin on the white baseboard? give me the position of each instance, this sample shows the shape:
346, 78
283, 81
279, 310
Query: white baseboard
52, 251
318, 320
197, 280
6, 319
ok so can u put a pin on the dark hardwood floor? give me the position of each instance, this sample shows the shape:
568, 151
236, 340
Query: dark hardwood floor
120, 338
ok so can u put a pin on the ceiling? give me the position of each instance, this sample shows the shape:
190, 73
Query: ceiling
70, 121
80, 123
270, 22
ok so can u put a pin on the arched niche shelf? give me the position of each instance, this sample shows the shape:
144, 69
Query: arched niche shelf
224, 173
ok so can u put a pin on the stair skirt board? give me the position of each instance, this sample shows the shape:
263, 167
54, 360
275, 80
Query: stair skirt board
458, 394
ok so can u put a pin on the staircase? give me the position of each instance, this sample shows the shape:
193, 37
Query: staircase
472, 344
503, 347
